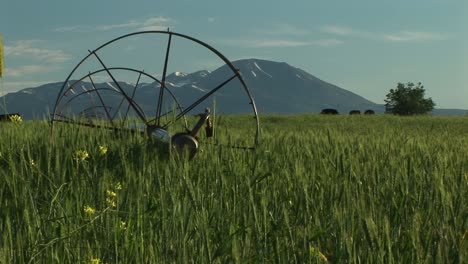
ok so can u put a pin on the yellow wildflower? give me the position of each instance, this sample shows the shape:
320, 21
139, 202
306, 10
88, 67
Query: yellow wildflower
111, 198
111, 202
118, 186
95, 261
16, 119
111, 194
123, 225
102, 150
88, 210
316, 253
32, 162
81, 155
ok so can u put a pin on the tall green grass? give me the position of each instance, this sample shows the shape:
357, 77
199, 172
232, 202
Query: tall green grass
338, 189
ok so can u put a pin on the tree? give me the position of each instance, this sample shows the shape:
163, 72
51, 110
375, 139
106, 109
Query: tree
408, 99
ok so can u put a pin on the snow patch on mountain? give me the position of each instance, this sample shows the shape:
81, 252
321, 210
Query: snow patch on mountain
180, 84
143, 85
111, 86
198, 88
258, 67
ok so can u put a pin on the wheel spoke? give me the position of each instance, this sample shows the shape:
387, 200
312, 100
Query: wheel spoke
133, 95
162, 115
137, 110
201, 99
70, 90
163, 82
102, 101
116, 129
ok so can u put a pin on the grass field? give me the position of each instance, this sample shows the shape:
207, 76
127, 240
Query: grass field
337, 189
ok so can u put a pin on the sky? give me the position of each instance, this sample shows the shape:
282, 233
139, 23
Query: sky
364, 46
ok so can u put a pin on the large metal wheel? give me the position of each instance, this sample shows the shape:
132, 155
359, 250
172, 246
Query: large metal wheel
103, 91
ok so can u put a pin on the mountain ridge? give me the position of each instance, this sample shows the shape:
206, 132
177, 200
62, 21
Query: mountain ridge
277, 87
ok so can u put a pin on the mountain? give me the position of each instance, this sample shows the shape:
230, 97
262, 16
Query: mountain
277, 87
281, 88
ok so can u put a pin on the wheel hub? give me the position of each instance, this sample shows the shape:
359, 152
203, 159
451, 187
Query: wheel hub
184, 145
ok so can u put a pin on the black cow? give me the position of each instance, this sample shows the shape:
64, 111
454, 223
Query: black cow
369, 112
7, 117
354, 112
329, 111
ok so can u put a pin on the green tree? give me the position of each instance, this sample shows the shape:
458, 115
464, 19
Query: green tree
408, 99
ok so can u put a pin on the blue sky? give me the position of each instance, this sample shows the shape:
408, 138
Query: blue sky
365, 46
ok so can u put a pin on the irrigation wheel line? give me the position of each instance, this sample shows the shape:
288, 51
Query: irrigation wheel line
83, 101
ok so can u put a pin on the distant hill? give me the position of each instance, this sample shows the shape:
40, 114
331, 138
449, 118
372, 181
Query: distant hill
277, 87
450, 112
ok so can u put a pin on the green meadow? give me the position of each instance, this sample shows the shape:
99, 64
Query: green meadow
318, 189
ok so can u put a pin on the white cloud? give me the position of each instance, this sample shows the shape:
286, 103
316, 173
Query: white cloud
327, 42
27, 70
283, 30
409, 36
153, 27
16, 86
280, 43
156, 21
401, 36
129, 24
27, 48
153, 23
281, 36
343, 31
70, 29
274, 43
337, 30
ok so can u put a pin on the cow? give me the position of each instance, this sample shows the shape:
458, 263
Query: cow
354, 112
7, 117
329, 111
369, 112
